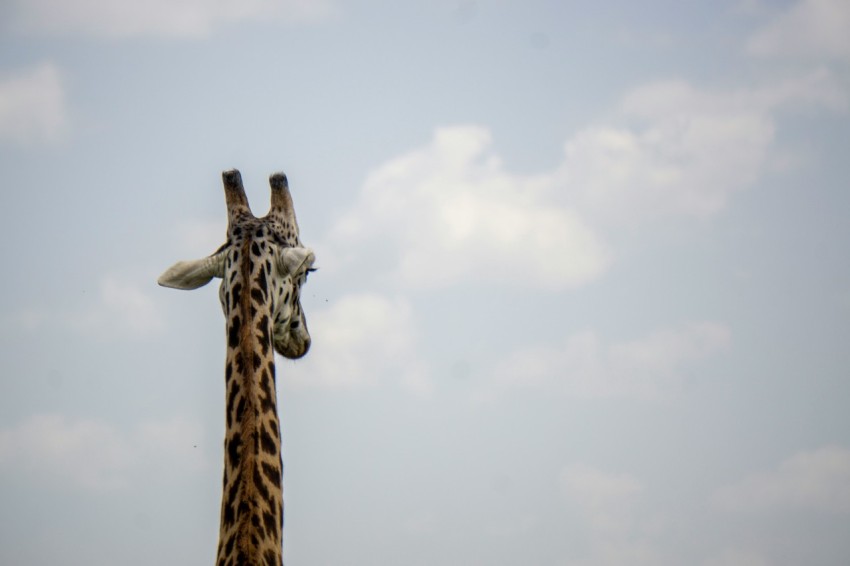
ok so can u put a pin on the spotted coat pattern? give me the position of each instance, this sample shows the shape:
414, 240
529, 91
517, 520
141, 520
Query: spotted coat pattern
260, 297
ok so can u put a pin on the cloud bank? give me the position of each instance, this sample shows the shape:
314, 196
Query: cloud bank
814, 480
805, 29
120, 308
669, 150
455, 214
650, 368
362, 340
93, 454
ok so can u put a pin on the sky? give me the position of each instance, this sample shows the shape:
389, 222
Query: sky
583, 295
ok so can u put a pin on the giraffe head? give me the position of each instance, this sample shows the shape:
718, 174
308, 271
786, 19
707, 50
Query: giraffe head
262, 256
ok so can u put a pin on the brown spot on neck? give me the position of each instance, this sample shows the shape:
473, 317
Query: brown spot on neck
251, 536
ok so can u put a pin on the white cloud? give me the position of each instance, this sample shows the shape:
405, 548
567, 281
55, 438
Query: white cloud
362, 340
819, 87
685, 161
120, 19
93, 454
455, 214
120, 307
650, 367
32, 106
449, 212
818, 480
609, 507
807, 28
685, 151
622, 525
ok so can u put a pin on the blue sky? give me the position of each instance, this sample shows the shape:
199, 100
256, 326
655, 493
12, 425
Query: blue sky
583, 295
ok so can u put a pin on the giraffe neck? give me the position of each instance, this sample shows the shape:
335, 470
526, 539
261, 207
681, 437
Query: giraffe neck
252, 499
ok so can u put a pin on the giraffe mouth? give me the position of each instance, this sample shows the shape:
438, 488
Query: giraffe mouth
293, 349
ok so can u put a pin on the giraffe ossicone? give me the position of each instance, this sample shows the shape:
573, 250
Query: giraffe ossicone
262, 267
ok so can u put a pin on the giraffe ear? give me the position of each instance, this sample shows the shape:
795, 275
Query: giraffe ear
293, 261
193, 274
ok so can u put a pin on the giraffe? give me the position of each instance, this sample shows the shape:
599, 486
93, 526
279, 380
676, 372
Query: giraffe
262, 267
